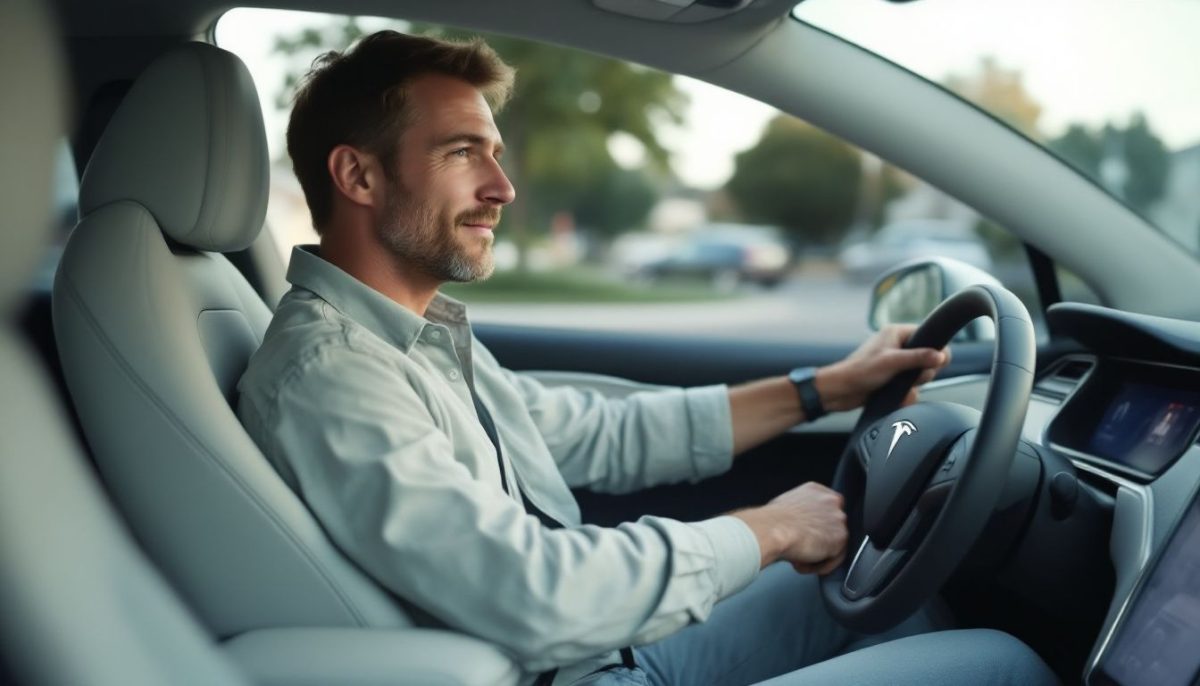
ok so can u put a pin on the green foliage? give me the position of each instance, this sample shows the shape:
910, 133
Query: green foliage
888, 184
620, 201
799, 178
1149, 164
309, 43
1081, 148
1136, 150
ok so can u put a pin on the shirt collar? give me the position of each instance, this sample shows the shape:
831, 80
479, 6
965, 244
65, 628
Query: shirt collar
381, 315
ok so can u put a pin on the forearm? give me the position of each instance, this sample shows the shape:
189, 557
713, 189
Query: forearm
761, 410
767, 530
627, 442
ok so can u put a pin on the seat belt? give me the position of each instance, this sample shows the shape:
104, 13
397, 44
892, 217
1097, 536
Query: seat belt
489, 427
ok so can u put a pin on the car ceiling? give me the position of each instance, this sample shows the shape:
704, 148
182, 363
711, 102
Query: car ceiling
685, 48
760, 53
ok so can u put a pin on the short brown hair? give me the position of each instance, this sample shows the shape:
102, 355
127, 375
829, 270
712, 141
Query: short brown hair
357, 98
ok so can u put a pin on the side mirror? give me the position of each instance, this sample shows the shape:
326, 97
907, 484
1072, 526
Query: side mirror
909, 292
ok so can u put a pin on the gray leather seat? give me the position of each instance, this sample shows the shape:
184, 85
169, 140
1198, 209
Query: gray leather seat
79, 604
154, 327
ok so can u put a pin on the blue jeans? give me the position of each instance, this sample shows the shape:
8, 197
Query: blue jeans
778, 632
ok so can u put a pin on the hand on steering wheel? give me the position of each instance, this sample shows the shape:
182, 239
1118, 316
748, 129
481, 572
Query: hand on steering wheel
920, 482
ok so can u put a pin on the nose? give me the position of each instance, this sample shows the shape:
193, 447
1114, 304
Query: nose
498, 190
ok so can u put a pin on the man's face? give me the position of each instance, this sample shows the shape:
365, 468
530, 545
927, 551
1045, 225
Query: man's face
447, 188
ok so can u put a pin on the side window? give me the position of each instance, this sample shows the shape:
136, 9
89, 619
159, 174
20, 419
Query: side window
654, 203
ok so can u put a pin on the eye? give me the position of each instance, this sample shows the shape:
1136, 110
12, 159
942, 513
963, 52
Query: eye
461, 152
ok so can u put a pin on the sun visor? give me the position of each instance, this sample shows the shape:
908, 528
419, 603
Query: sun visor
675, 11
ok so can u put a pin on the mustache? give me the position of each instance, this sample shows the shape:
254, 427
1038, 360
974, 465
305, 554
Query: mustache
479, 215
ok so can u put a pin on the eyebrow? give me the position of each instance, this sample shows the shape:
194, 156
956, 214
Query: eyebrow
472, 138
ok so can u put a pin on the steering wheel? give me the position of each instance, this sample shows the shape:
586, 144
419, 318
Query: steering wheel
921, 482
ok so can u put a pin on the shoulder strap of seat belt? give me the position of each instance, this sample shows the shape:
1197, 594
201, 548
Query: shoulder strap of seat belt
489, 427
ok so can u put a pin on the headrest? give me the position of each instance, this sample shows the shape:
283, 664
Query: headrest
187, 143
31, 123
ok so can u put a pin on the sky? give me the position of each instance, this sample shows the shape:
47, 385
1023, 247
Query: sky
1090, 61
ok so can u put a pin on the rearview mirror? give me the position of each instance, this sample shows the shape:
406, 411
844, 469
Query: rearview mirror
909, 292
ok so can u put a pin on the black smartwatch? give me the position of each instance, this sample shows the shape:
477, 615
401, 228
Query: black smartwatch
805, 381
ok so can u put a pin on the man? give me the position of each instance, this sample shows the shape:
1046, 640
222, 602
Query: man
447, 477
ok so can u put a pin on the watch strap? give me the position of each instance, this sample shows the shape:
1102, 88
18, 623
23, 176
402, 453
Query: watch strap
804, 380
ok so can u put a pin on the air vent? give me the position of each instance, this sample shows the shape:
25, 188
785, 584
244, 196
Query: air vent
1063, 378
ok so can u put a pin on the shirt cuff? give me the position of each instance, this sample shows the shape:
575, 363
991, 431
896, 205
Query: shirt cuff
736, 555
711, 422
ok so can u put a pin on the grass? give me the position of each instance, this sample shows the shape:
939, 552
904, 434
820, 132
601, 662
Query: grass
576, 285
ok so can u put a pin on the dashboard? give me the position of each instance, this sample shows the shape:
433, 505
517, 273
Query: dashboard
1115, 421
1126, 413
1135, 418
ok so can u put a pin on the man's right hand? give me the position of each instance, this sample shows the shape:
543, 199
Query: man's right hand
805, 526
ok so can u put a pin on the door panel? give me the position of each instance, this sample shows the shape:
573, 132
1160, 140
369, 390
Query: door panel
675, 360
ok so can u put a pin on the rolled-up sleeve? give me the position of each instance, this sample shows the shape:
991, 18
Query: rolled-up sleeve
620, 445
367, 455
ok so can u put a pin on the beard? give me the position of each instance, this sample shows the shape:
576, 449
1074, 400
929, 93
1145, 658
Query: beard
426, 238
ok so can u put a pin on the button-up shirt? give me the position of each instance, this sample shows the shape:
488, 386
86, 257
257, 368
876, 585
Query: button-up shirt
365, 408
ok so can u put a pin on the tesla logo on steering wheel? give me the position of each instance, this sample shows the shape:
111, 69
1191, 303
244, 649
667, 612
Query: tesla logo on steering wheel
899, 429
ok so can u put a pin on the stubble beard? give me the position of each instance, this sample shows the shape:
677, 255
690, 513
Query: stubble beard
423, 238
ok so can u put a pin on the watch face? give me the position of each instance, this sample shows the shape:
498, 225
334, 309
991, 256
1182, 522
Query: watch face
802, 374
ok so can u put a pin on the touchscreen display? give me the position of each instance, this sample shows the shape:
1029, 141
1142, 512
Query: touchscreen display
1145, 427
1158, 641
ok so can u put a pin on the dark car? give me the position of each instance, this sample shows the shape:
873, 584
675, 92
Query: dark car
726, 258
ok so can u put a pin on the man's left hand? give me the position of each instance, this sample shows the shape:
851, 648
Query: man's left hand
846, 385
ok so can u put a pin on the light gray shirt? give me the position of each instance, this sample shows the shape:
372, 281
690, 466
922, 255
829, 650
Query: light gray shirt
365, 409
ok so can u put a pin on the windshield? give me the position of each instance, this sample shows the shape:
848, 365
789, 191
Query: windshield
1109, 85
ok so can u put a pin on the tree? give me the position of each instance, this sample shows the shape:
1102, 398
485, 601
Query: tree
1082, 148
1132, 163
565, 106
1148, 164
1001, 92
799, 178
882, 184
621, 200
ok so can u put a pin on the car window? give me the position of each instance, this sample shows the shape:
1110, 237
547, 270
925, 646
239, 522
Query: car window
1107, 85
653, 203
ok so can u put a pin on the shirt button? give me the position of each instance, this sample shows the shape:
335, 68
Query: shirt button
453, 374
435, 334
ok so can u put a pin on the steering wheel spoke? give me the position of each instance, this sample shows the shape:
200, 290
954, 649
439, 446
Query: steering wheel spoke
870, 569
873, 566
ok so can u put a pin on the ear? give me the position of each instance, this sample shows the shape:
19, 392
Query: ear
356, 175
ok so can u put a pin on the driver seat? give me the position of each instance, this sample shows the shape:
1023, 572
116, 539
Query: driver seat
155, 327
79, 604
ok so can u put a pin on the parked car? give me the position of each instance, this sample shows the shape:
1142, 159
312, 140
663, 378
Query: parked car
909, 239
726, 255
